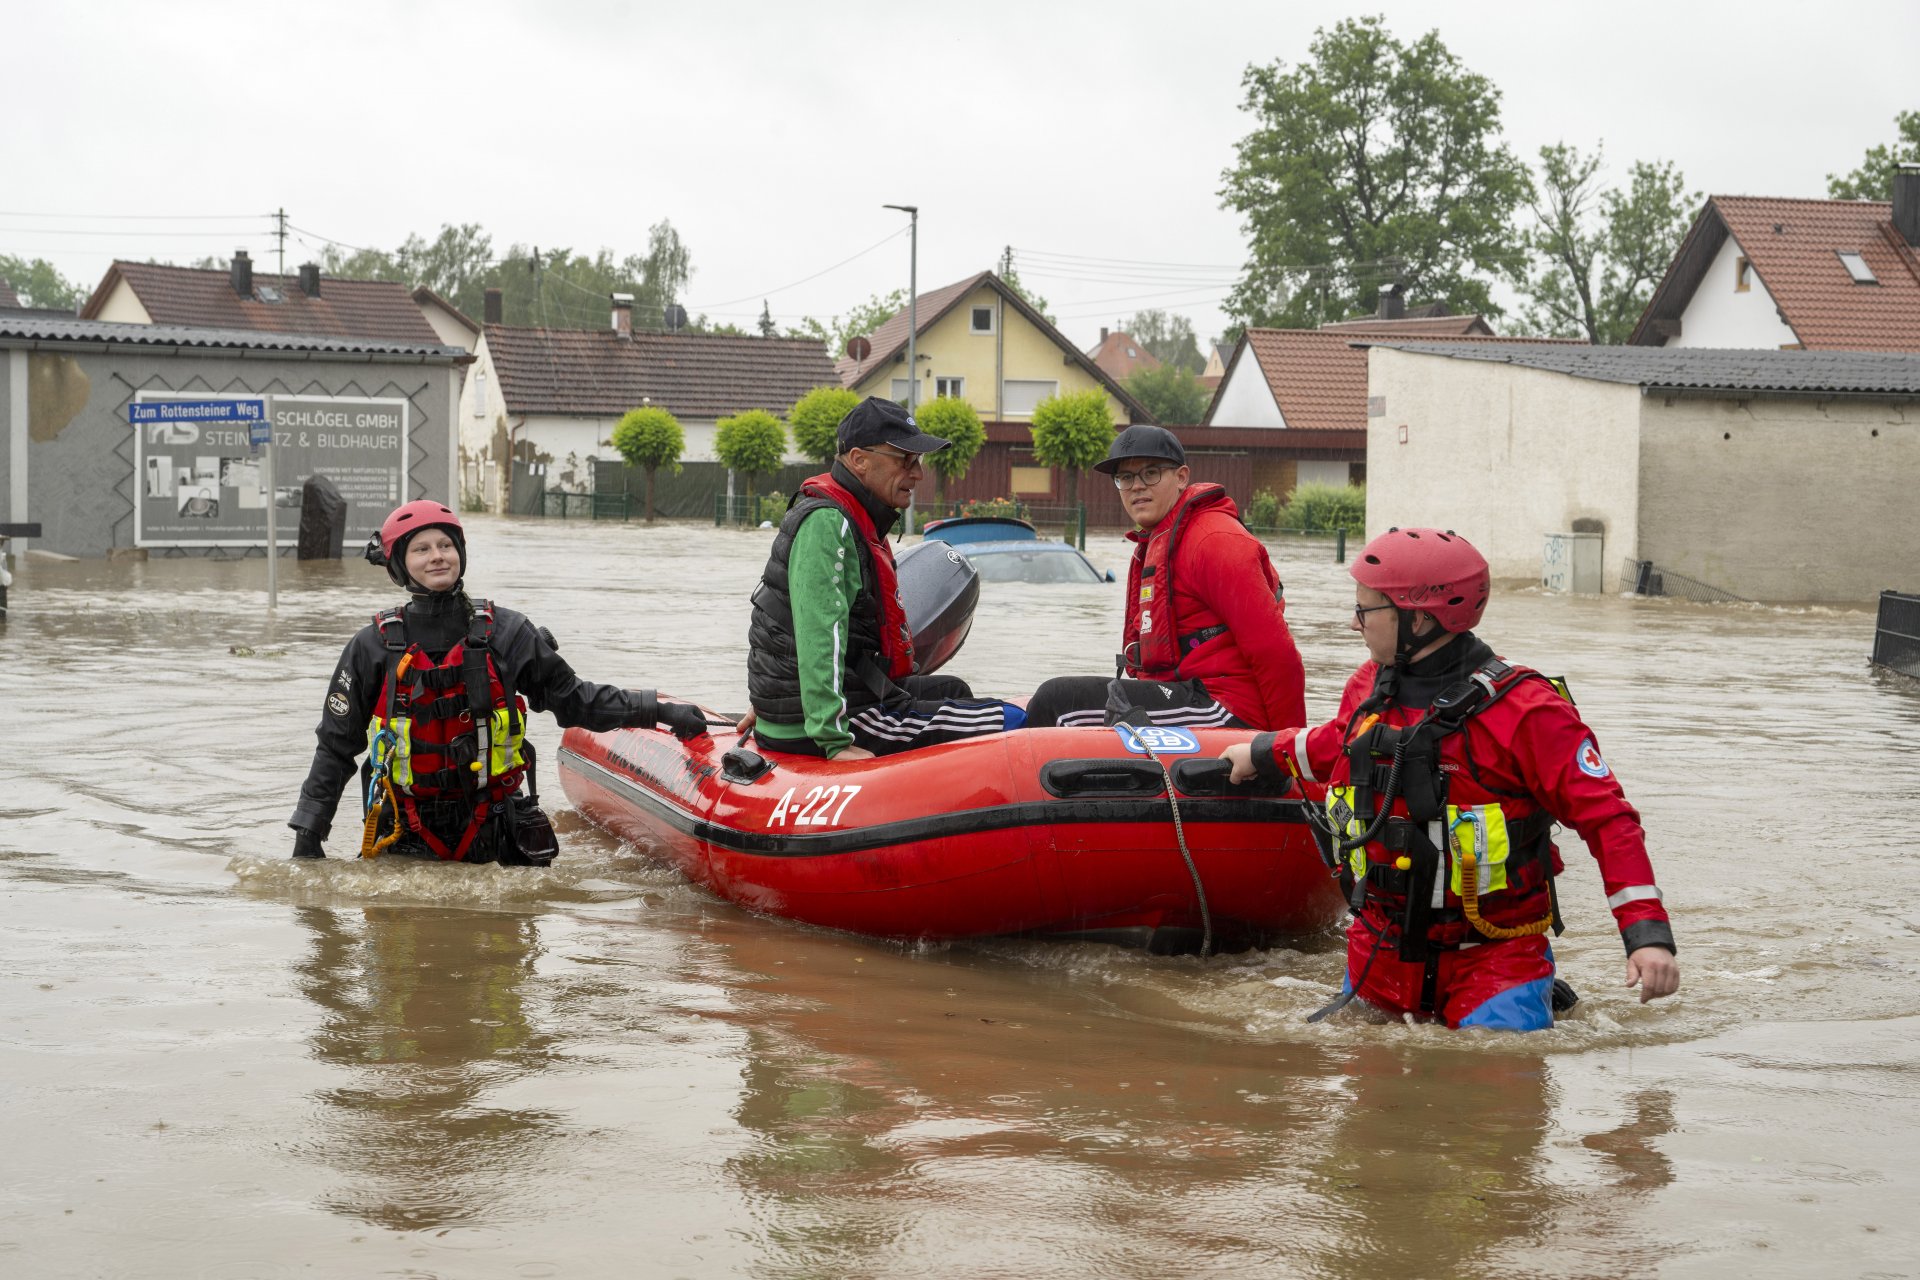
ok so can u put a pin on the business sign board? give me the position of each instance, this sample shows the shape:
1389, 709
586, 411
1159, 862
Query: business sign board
202, 485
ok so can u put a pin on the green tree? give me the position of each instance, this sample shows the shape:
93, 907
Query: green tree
815, 419
38, 283
752, 443
650, 439
1171, 393
1073, 431
1599, 253
1374, 162
858, 322
765, 323
1873, 180
1169, 337
953, 420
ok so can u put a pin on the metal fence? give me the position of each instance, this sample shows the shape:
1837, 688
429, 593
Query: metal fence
1896, 635
1649, 579
559, 504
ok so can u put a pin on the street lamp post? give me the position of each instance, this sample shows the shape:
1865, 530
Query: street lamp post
913, 299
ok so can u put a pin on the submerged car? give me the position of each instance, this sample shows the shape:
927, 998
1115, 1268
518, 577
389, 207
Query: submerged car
1005, 549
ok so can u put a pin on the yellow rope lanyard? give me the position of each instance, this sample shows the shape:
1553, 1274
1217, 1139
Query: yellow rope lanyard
1470, 888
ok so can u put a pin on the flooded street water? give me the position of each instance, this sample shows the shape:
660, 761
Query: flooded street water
223, 1063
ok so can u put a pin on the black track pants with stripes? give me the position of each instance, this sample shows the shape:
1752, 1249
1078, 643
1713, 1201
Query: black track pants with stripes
1076, 701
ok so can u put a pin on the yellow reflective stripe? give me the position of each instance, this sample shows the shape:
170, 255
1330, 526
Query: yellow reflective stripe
400, 761
1481, 830
503, 744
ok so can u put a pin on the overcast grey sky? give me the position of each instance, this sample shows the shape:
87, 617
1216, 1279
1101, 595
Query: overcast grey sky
1087, 136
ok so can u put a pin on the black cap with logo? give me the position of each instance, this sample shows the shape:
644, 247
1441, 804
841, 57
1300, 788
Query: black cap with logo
1143, 441
875, 421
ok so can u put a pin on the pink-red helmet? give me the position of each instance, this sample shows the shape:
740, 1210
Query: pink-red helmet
1435, 571
407, 520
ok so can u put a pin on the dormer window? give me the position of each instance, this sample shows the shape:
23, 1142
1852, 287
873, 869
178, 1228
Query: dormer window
982, 320
1857, 267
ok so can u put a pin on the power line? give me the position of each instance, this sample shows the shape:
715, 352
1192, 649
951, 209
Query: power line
123, 235
141, 217
768, 293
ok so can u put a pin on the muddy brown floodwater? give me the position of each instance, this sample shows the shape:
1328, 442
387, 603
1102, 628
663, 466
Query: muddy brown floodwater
221, 1063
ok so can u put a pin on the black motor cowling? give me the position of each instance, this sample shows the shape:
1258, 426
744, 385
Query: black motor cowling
940, 590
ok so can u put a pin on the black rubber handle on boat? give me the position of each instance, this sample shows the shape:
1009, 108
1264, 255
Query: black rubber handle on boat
1212, 778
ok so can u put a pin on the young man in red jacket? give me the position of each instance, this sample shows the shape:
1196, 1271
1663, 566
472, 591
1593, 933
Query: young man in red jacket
1446, 769
1206, 639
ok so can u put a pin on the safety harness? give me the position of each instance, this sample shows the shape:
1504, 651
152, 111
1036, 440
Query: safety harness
448, 736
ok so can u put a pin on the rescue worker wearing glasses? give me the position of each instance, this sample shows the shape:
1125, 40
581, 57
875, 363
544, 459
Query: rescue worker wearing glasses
437, 692
1205, 641
1445, 771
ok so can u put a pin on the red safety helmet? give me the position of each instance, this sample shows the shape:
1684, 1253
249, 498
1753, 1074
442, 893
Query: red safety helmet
407, 520
1435, 571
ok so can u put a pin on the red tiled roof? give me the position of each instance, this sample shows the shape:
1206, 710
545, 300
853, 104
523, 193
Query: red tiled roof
1120, 356
1319, 378
1417, 326
1794, 247
422, 296
890, 339
595, 372
190, 296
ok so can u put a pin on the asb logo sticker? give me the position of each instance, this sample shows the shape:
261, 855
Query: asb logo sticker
1588, 758
1165, 741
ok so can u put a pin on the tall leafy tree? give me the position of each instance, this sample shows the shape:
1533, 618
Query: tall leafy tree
953, 420
1373, 162
38, 283
1072, 431
815, 419
1873, 180
752, 443
1599, 251
857, 322
650, 438
1169, 337
1171, 393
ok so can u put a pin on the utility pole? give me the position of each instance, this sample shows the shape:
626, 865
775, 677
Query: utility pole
280, 218
913, 300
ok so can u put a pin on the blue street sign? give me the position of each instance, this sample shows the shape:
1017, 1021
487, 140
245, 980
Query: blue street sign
259, 433
250, 411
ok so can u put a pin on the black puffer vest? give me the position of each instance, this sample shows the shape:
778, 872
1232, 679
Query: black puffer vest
773, 660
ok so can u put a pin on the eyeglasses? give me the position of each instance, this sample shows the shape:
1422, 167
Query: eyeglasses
1148, 476
907, 461
1360, 612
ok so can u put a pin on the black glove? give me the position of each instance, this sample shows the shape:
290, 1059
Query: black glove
306, 844
685, 719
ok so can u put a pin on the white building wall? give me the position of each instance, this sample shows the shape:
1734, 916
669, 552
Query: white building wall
123, 306
1245, 398
1720, 315
1503, 455
1782, 500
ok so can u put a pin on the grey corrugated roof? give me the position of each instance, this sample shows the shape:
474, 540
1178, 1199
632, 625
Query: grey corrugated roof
1700, 368
16, 328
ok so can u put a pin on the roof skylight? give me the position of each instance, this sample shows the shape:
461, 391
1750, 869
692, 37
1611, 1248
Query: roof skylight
1857, 267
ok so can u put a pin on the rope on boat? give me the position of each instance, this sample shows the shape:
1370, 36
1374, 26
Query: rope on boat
1180, 835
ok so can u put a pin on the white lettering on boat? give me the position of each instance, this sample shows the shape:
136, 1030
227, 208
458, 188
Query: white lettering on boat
815, 809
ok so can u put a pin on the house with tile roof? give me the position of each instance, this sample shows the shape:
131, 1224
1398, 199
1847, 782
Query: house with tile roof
1121, 356
1299, 396
551, 397
1815, 275
240, 298
980, 341
455, 327
1759, 474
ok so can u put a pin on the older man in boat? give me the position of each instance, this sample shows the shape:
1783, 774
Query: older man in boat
1206, 643
1445, 770
830, 657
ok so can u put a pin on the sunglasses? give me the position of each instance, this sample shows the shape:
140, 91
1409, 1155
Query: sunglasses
907, 460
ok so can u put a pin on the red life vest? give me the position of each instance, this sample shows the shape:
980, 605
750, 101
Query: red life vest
1154, 642
432, 739
1506, 831
896, 638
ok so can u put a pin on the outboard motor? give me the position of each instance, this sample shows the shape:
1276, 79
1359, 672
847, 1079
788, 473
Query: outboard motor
940, 589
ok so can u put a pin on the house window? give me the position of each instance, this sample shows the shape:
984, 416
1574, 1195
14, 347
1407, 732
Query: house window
899, 392
1742, 275
955, 387
479, 393
1022, 394
982, 320
1033, 479
1857, 267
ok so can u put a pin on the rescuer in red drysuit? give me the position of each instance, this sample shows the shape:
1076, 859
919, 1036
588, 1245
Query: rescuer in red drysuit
1205, 644
1445, 770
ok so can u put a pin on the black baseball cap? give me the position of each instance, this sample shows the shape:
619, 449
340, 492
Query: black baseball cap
1143, 441
875, 421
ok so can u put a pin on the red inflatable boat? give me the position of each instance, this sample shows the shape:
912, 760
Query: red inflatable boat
1055, 832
